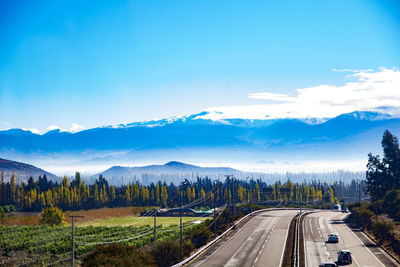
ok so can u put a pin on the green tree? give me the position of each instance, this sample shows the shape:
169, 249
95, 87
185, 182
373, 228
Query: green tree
258, 192
96, 194
164, 195
112, 193
202, 193
12, 188
383, 174
127, 194
157, 193
52, 216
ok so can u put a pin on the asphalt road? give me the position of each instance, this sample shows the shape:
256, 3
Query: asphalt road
316, 228
258, 242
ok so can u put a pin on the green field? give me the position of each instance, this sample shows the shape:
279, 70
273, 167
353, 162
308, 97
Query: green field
43, 245
139, 221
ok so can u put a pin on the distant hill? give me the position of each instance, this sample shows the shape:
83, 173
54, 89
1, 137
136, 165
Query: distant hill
21, 170
172, 167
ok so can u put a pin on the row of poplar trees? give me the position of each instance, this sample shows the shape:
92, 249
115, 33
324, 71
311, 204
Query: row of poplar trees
34, 195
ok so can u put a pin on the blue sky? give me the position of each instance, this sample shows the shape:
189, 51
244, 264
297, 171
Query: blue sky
95, 63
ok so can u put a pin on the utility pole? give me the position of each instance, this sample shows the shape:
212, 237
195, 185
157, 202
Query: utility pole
155, 225
232, 208
251, 196
72, 238
215, 214
359, 192
180, 215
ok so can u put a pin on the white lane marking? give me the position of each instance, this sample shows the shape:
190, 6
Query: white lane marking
284, 244
363, 244
244, 226
340, 236
304, 238
264, 225
266, 240
323, 240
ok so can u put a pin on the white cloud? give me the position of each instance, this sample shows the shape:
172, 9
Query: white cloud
372, 91
271, 96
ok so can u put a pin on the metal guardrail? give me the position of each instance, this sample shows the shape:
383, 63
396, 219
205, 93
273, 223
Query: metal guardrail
197, 253
297, 239
296, 242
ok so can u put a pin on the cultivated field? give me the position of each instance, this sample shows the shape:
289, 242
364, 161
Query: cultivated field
139, 221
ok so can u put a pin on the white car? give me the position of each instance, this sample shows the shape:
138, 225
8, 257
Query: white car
333, 238
336, 208
328, 264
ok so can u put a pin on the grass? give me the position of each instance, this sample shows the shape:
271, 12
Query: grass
103, 213
138, 221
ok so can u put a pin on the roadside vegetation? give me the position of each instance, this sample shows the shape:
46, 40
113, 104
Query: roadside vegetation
380, 217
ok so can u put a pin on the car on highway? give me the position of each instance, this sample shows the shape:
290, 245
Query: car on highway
333, 238
344, 256
336, 208
328, 264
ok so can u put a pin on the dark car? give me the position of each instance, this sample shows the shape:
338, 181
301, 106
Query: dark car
344, 256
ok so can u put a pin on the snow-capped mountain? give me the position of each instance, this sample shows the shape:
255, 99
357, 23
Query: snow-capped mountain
193, 137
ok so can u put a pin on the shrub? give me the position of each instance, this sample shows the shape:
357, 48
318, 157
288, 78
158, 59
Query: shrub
118, 255
361, 216
9, 208
188, 247
52, 216
201, 236
382, 229
166, 253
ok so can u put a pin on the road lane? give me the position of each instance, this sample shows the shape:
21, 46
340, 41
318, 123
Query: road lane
271, 254
262, 238
364, 253
316, 251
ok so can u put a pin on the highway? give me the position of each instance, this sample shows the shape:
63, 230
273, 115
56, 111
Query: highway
260, 241
318, 225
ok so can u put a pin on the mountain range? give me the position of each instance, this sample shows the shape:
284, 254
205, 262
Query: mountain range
195, 139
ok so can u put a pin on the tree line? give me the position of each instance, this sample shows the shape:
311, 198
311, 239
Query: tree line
76, 194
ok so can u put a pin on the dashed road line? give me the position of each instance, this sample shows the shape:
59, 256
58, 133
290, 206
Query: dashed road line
266, 240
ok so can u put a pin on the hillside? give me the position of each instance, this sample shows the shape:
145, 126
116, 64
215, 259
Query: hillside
172, 167
21, 170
